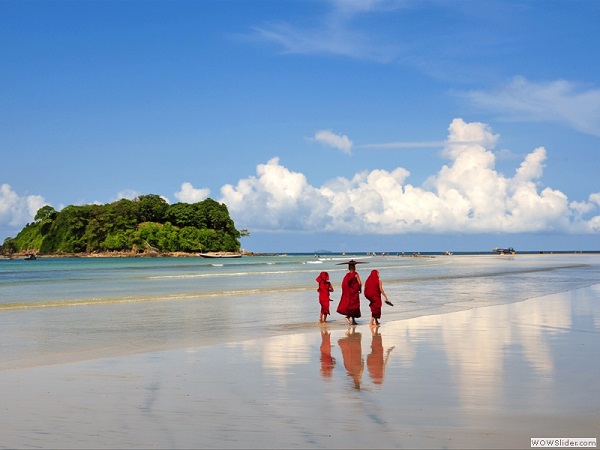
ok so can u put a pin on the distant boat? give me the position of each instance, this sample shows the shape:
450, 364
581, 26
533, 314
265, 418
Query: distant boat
504, 251
30, 257
220, 255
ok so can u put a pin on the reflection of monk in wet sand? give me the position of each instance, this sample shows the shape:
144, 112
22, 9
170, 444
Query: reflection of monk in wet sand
376, 362
327, 361
352, 354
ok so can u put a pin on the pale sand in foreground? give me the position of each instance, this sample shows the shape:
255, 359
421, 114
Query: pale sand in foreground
490, 377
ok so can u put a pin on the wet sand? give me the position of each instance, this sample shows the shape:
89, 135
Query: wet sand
489, 377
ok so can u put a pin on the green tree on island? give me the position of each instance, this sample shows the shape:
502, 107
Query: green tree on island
147, 222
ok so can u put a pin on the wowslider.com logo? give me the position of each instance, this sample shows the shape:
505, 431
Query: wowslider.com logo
564, 442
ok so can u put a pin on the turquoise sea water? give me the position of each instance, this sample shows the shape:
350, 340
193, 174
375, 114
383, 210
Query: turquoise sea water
433, 280
74, 308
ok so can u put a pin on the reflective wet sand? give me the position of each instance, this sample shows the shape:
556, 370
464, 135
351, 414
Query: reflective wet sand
490, 377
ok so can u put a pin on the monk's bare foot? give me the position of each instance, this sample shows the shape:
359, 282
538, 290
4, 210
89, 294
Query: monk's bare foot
353, 322
348, 320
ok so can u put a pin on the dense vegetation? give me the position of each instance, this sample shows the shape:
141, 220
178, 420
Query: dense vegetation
148, 222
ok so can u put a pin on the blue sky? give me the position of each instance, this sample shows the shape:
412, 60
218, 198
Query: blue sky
339, 125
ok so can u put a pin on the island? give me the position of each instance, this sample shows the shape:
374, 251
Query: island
146, 225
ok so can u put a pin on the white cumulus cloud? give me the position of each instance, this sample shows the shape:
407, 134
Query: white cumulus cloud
467, 195
16, 210
275, 199
129, 194
331, 139
189, 194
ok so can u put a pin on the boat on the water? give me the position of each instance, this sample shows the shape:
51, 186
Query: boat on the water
504, 251
221, 255
30, 257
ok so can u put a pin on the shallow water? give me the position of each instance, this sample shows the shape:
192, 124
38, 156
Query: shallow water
55, 310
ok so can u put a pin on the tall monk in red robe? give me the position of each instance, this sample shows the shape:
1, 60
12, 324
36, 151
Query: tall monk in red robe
324, 289
373, 292
351, 288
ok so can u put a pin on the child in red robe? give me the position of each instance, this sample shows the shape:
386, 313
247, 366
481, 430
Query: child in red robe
324, 289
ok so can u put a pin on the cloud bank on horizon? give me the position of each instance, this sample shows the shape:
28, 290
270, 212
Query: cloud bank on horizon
466, 195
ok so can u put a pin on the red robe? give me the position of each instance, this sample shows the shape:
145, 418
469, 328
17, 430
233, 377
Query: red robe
373, 294
323, 290
375, 360
350, 302
327, 361
352, 356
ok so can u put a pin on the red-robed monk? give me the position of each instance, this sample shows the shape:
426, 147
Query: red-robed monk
351, 288
324, 289
373, 292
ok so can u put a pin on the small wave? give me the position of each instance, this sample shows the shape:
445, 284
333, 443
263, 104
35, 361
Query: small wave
226, 274
15, 306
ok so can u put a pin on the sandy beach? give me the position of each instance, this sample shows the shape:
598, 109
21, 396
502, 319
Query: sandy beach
488, 377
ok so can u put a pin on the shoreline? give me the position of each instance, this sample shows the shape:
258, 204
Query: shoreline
154, 254
487, 377
128, 254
